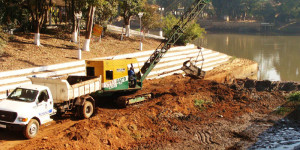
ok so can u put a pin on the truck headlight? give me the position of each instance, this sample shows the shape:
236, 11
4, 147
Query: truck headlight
23, 119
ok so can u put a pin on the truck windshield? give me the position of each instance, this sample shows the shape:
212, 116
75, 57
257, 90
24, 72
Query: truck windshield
23, 95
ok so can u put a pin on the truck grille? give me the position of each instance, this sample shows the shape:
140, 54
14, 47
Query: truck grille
8, 116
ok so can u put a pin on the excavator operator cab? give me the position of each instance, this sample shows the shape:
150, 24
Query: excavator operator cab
118, 74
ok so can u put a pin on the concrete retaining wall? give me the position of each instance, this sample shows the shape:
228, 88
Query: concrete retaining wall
169, 64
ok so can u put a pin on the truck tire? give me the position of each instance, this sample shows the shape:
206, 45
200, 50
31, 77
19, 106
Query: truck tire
31, 129
87, 110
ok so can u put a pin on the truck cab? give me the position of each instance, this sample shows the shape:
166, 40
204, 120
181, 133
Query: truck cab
26, 108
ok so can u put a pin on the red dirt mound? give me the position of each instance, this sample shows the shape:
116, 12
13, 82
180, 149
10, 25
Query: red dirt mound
179, 112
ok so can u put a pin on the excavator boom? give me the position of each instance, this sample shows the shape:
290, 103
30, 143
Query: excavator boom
175, 34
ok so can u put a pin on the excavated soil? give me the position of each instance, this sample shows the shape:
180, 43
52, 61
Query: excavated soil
184, 114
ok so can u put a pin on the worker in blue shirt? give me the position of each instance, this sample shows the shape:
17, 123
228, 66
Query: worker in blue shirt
132, 77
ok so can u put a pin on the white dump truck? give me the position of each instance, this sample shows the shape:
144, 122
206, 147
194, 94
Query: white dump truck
29, 106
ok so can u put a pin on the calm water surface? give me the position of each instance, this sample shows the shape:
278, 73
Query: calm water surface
278, 56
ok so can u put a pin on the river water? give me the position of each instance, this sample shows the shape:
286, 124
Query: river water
278, 56
279, 60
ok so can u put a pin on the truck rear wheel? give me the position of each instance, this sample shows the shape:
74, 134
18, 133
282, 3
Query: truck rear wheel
31, 129
87, 109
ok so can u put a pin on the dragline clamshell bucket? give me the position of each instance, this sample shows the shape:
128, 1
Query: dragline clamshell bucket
192, 70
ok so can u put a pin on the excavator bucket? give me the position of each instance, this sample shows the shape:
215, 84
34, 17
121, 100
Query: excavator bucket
192, 70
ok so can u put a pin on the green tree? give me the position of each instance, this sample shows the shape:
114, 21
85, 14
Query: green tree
151, 18
129, 8
151, 2
37, 9
172, 5
76, 7
288, 9
12, 14
191, 33
265, 11
92, 5
102, 9
107, 10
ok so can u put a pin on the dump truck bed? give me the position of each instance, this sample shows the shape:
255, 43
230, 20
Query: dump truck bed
69, 87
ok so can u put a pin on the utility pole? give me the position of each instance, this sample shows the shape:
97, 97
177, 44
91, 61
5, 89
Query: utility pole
140, 16
78, 16
161, 9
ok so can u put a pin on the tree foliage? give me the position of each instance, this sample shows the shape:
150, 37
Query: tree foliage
262, 10
151, 18
37, 9
13, 14
129, 8
192, 32
108, 9
288, 9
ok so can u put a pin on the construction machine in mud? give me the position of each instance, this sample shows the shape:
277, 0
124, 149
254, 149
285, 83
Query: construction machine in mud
30, 106
115, 73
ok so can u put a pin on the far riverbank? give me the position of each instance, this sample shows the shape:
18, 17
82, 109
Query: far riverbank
276, 55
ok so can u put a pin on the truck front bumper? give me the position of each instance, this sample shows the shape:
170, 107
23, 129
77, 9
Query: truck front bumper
11, 126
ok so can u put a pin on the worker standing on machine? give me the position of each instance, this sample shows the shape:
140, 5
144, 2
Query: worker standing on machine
132, 77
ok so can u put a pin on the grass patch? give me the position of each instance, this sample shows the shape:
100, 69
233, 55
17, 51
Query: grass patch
282, 110
200, 104
292, 103
294, 97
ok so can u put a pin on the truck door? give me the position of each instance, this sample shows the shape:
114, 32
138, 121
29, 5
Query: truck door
44, 106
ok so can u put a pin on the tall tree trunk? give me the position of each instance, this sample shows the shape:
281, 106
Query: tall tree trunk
66, 14
37, 33
50, 14
127, 26
89, 28
37, 25
88, 18
74, 25
38, 15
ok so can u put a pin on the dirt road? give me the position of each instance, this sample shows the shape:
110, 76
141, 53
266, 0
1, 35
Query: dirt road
184, 114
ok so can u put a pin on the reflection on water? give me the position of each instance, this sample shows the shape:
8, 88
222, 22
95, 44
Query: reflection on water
278, 56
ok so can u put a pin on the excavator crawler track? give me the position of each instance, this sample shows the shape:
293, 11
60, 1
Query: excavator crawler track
124, 101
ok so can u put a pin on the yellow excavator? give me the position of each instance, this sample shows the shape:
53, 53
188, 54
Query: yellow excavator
117, 76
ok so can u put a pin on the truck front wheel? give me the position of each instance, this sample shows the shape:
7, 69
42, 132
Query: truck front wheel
31, 129
87, 109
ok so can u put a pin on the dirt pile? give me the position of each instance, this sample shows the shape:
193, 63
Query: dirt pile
185, 113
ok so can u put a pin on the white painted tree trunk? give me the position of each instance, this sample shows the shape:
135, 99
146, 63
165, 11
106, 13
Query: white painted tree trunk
37, 38
161, 33
127, 32
74, 36
88, 36
86, 46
